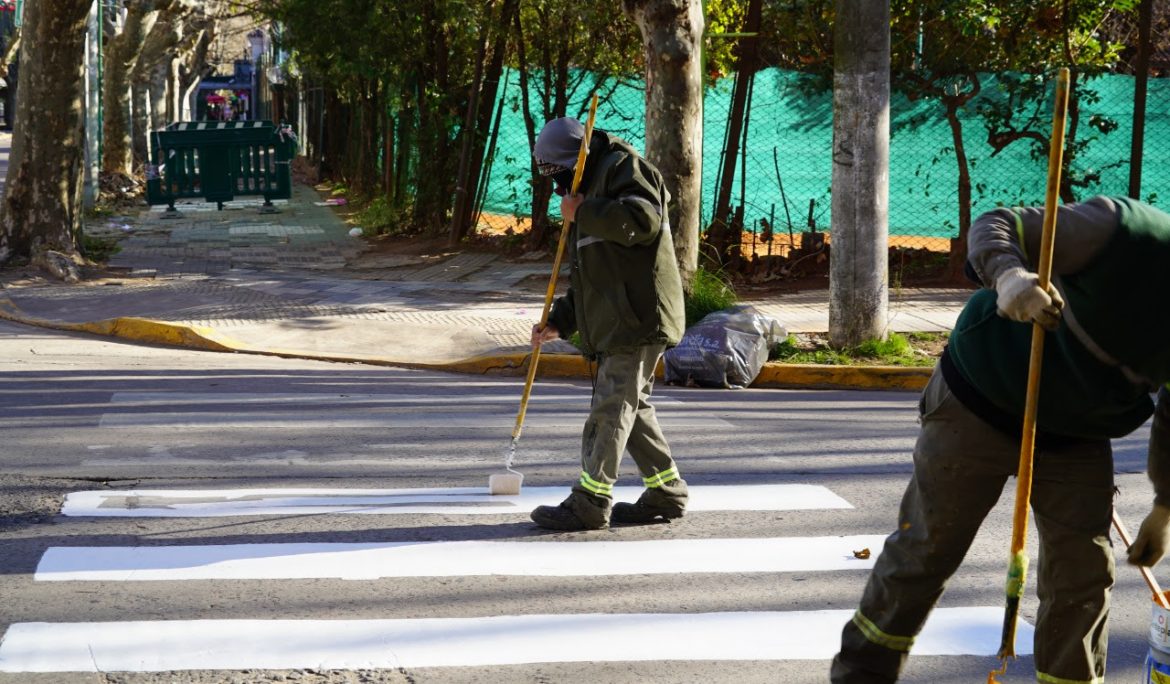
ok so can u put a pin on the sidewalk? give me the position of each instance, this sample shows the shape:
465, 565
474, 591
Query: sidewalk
239, 280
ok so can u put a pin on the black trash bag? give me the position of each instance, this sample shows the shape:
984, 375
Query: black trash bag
725, 349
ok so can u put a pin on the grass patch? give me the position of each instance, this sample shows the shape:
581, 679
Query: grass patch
913, 349
710, 292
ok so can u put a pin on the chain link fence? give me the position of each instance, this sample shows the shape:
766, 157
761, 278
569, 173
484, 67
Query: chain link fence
783, 169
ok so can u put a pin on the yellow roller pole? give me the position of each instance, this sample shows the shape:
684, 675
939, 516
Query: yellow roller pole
513, 479
1018, 564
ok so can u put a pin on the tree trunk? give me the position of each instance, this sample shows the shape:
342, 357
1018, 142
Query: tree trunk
467, 135
672, 32
174, 91
858, 267
538, 232
42, 206
387, 153
406, 143
122, 52
957, 260
1141, 79
191, 70
719, 234
140, 122
487, 99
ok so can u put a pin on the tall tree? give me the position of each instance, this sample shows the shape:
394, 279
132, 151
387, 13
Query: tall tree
475, 130
567, 50
720, 237
1068, 33
858, 272
43, 201
938, 52
149, 76
672, 33
127, 38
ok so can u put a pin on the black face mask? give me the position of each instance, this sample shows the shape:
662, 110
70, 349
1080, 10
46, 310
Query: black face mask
563, 181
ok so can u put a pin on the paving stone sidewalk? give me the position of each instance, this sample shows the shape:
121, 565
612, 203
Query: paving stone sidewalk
291, 278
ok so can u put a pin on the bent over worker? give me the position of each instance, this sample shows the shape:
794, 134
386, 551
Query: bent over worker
625, 299
1108, 350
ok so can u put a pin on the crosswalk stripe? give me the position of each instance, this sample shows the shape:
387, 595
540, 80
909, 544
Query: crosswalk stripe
157, 646
365, 561
207, 503
222, 410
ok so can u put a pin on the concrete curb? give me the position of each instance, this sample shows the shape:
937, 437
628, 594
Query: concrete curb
773, 375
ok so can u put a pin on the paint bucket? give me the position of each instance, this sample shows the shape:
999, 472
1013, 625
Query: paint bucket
1158, 661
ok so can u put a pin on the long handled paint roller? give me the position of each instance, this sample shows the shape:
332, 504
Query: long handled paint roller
1147, 574
508, 483
1018, 565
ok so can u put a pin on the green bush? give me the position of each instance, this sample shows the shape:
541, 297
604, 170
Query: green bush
710, 292
98, 249
381, 218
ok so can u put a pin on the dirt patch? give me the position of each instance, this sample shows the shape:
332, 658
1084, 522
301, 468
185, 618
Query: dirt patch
754, 277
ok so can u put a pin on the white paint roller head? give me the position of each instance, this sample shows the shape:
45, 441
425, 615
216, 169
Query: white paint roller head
505, 484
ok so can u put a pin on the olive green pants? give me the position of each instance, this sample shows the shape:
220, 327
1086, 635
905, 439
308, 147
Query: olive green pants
960, 467
622, 419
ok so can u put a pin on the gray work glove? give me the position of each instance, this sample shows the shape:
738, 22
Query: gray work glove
1152, 538
1021, 299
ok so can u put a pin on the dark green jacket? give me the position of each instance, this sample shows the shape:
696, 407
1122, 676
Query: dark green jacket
625, 291
1112, 266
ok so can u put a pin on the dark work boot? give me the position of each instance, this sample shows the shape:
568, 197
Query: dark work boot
659, 504
576, 513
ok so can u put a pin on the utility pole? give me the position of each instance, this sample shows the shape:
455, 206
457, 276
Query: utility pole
859, 232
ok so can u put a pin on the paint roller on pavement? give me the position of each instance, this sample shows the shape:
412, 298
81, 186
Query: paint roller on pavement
509, 482
1018, 563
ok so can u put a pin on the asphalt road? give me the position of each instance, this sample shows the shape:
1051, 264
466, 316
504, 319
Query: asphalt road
188, 547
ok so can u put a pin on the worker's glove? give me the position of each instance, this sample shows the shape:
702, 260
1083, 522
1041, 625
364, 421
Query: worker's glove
546, 334
1152, 538
1021, 298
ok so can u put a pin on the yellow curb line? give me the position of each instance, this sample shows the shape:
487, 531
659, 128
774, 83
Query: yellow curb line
773, 375
138, 329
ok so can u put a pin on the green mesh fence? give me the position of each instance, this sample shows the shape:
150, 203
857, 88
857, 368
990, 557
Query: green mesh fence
789, 143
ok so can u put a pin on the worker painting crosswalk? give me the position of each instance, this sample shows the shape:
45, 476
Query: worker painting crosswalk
526, 634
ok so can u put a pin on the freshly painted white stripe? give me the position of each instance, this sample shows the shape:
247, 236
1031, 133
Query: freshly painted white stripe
452, 559
212, 503
157, 646
176, 409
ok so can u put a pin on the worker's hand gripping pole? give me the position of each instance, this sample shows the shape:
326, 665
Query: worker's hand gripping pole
552, 283
1018, 564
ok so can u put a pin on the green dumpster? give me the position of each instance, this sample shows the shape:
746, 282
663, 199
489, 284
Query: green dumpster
219, 161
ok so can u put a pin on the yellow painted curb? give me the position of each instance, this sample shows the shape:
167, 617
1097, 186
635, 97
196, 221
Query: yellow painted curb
773, 375
137, 329
809, 376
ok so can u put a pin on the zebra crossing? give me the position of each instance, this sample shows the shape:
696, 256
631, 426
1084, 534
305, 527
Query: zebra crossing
527, 634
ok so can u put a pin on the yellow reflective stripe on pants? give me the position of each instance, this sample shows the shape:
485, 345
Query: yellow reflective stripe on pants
877, 636
598, 488
661, 478
1049, 679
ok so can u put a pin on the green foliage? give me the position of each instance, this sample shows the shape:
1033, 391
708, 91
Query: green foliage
897, 350
722, 17
381, 217
98, 249
709, 292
